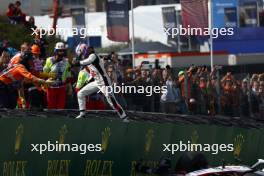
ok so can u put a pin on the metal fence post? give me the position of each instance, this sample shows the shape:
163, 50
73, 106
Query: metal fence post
249, 96
186, 89
218, 92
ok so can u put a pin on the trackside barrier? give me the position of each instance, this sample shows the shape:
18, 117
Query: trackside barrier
123, 144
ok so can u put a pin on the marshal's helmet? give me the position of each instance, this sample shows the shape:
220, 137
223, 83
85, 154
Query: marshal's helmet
60, 46
60, 49
35, 49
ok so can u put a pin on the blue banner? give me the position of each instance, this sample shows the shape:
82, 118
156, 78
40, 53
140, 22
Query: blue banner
219, 7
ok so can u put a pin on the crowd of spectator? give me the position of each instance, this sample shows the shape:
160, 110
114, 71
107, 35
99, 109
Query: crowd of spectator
195, 90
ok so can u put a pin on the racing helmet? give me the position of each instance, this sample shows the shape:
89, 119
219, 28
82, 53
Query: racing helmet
82, 51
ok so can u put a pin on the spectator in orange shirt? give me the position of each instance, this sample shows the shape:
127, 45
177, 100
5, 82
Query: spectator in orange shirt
34, 94
12, 78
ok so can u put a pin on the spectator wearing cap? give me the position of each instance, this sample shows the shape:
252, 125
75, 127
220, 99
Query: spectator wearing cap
58, 65
38, 63
42, 43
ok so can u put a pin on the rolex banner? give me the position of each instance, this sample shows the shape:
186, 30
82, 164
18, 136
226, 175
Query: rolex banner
170, 22
117, 19
123, 145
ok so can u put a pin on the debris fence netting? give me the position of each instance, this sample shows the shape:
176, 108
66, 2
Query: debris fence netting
139, 116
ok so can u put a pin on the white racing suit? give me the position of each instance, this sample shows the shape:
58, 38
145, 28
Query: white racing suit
101, 83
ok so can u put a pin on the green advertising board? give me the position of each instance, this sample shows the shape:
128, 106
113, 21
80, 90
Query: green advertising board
123, 145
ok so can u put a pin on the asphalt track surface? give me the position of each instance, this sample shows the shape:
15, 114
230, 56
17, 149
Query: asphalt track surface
148, 117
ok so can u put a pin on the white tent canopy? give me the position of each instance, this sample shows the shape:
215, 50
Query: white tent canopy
148, 24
